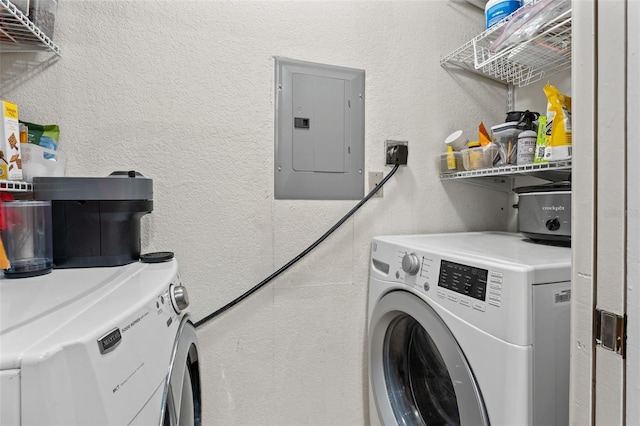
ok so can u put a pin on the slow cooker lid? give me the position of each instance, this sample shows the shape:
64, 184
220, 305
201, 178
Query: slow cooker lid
118, 185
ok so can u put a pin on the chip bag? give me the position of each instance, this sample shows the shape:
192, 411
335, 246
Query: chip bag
46, 135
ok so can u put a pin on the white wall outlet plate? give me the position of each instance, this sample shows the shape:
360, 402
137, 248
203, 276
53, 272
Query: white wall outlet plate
374, 180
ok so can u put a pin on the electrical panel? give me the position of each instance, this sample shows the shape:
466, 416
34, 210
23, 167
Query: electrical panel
319, 136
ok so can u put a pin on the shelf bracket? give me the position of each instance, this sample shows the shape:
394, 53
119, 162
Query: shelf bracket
526, 62
15, 186
497, 183
19, 34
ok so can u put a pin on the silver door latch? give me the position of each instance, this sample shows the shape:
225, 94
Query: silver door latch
610, 331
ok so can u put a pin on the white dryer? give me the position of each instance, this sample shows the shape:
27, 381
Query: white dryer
98, 346
468, 329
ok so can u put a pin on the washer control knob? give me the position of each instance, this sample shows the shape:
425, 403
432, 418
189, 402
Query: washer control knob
410, 263
179, 297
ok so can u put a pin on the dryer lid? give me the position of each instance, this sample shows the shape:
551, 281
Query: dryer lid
33, 308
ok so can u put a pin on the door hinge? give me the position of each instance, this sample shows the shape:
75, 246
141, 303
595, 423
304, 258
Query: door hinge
610, 331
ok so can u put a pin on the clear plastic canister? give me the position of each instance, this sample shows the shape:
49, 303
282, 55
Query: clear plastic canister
43, 15
27, 237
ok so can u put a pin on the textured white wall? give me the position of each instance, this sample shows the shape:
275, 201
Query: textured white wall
183, 92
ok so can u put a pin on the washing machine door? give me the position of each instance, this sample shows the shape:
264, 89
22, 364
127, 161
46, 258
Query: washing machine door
181, 403
418, 373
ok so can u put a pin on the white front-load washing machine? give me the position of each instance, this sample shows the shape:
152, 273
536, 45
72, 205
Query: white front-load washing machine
98, 346
468, 329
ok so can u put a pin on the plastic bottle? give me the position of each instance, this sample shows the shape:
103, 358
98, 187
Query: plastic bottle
526, 146
497, 10
476, 157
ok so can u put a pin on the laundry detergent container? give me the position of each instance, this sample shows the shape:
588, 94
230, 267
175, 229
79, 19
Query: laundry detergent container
96, 220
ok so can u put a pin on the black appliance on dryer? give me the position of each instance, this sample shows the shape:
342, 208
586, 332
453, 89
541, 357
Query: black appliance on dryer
96, 220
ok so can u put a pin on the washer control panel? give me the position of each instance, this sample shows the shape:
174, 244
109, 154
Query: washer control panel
495, 288
471, 286
486, 279
463, 279
456, 282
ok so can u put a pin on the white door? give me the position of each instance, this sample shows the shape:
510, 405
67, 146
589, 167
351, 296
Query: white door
633, 216
611, 201
605, 225
583, 204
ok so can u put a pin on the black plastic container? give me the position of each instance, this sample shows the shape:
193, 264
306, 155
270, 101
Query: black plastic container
96, 221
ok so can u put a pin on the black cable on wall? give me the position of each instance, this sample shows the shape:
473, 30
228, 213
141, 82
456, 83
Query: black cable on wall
299, 256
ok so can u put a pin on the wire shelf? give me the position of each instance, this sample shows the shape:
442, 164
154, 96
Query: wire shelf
541, 56
19, 34
15, 186
525, 169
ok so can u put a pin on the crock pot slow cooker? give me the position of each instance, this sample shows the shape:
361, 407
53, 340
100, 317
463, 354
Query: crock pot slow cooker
544, 212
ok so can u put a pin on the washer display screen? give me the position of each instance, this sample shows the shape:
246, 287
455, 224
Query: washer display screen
463, 279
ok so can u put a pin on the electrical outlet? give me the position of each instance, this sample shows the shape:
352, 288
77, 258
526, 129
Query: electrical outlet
374, 180
396, 152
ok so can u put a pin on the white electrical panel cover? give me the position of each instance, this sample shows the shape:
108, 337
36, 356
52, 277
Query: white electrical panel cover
319, 131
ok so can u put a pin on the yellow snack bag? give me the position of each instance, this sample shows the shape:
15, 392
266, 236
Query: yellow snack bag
558, 129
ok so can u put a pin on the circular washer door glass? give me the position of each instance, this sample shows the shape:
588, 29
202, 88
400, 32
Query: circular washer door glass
418, 372
417, 379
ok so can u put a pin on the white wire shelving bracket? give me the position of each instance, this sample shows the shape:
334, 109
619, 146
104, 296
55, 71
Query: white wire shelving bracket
545, 54
501, 178
19, 34
15, 186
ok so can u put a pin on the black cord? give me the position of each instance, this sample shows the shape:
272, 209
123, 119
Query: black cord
301, 255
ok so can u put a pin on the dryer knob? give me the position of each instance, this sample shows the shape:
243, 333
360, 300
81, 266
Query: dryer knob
179, 298
410, 263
